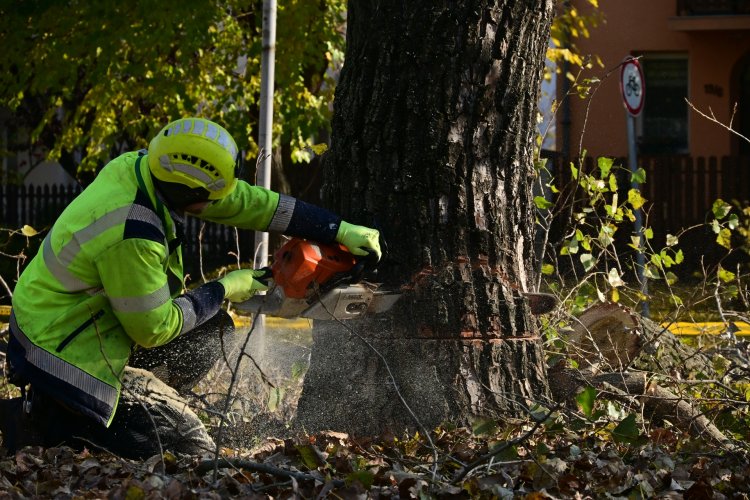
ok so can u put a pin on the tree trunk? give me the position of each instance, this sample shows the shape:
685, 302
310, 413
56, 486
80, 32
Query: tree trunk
432, 143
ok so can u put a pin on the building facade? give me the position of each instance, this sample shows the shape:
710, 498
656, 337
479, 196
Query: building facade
693, 52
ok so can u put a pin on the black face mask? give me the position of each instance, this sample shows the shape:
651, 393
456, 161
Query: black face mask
178, 196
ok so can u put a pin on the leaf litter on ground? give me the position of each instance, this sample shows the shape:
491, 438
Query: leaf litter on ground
588, 463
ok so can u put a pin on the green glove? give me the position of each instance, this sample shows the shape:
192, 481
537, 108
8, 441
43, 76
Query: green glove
359, 240
242, 284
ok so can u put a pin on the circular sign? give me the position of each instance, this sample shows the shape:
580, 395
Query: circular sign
632, 86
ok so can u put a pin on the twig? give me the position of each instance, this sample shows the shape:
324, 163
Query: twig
716, 121
5, 285
222, 462
98, 446
200, 251
237, 243
227, 401
720, 308
479, 461
426, 433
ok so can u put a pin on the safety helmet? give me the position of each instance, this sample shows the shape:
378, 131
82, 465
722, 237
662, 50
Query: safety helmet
196, 153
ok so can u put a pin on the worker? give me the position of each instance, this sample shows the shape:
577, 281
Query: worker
103, 301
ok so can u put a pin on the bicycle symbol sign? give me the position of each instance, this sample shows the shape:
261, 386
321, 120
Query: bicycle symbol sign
632, 86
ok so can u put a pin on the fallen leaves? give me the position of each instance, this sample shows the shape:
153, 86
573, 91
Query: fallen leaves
334, 464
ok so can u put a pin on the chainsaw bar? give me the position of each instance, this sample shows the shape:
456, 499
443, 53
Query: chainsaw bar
350, 302
340, 303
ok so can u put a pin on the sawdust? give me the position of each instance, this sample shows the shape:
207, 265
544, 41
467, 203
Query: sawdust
267, 386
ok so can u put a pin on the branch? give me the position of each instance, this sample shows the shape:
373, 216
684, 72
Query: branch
222, 462
479, 461
657, 402
716, 121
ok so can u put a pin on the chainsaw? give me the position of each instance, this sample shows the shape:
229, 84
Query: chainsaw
318, 281
324, 282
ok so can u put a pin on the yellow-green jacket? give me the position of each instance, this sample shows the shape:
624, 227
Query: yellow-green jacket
109, 275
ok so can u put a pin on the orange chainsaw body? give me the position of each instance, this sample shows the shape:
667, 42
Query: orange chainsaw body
299, 265
320, 282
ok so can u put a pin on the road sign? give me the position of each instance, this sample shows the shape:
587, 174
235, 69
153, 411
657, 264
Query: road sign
632, 86
633, 89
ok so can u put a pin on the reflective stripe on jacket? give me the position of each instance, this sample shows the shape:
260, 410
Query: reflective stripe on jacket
108, 276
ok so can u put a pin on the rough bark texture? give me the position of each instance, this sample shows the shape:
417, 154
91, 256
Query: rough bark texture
432, 144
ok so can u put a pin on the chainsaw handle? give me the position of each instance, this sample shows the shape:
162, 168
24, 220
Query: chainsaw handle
267, 275
363, 264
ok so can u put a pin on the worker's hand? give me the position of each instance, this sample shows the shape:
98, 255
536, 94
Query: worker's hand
359, 240
242, 284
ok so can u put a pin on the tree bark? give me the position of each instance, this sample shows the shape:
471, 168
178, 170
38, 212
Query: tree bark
432, 143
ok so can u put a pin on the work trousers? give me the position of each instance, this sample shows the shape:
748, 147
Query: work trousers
151, 415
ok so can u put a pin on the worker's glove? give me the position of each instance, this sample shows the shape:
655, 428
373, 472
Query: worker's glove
242, 284
359, 240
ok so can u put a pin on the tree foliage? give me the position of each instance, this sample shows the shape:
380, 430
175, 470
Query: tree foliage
568, 26
92, 76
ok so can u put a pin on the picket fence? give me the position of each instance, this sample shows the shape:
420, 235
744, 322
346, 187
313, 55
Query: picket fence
680, 190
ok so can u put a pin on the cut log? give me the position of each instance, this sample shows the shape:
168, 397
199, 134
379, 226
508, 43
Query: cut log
606, 336
659, 404
609, 337
622, 354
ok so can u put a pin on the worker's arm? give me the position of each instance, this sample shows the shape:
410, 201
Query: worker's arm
248, 207
260, 209
253, 207
134, 280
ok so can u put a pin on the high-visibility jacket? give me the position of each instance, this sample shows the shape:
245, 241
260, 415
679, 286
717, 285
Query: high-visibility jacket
109, 275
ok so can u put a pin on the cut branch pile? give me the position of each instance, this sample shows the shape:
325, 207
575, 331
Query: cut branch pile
629, 358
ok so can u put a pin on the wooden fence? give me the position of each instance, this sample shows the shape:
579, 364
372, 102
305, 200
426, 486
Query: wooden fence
680, 189
206, 244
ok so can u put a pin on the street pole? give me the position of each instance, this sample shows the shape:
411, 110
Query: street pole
265, 134
638, 223
633, 90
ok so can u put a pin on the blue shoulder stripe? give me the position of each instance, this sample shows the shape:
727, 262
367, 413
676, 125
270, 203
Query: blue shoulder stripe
143, 222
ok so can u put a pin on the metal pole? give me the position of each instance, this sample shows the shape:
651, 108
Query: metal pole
638, 224
265, 133
265, 136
